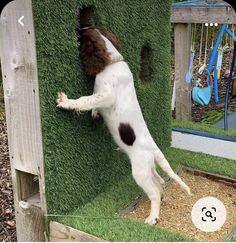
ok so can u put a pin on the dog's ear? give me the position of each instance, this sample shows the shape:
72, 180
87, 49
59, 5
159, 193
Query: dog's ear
93, 52
112, 38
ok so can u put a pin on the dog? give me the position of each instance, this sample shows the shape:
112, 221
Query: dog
115, 99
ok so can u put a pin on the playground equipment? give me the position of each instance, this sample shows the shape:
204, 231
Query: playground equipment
202, 95
228, 87
188, 76
183, 15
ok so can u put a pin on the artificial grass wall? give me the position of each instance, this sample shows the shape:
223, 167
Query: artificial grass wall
79, 154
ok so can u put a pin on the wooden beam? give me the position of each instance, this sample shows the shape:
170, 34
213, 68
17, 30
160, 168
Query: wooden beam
63, 233
20, 80
30, 224
218, 15
21, 95
215, 1
182, 34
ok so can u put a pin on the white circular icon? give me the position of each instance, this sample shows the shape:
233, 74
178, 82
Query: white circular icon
208, 214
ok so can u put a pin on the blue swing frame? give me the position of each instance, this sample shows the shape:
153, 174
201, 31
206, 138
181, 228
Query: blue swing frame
212, 64
214, 56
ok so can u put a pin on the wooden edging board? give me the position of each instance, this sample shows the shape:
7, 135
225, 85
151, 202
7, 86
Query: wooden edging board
62, 233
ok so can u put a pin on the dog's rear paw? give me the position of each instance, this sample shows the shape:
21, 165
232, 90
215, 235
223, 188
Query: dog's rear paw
95, 115
163, 197
151, 220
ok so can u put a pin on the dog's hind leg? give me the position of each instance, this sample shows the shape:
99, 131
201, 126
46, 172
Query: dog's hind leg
163, 163
158, 177
159, 182
142, 171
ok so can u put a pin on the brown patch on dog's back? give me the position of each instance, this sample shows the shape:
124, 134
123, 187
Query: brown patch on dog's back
127, 134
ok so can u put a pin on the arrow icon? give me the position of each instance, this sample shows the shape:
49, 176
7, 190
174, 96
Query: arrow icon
20, 20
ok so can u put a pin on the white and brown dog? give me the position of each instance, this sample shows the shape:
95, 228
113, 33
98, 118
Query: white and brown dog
115, 99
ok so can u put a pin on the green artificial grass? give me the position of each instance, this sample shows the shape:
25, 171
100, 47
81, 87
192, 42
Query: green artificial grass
203, 127
233, 239
79, 154
98, 217
212, 117
100, 220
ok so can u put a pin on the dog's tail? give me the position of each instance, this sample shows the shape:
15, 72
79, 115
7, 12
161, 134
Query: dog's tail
165, 166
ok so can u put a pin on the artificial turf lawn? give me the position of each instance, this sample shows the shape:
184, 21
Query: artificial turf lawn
79, 154
98, 216
203, 127
233, 239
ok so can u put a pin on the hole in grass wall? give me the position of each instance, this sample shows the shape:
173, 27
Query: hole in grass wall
87, 16
145, 64
28, 185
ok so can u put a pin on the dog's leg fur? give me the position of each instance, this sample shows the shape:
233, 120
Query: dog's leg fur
158, 181
95, 114
85, 103
163, 163
158, 177
142, 171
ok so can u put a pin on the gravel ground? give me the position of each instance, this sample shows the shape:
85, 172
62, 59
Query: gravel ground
175, 213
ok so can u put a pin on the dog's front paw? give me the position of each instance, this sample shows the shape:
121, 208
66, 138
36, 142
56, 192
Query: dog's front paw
151, 220
63, 101
61, 97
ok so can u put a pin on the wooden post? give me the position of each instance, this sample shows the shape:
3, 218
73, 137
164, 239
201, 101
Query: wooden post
21, 94
182, 34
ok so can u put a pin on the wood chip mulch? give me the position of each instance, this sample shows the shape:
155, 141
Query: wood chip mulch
175, 213
7, 214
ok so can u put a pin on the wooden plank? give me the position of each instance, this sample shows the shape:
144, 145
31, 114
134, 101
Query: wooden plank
62, 233
215, 1
203, 15
21, 95
182, 35
20, 80
30, 224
